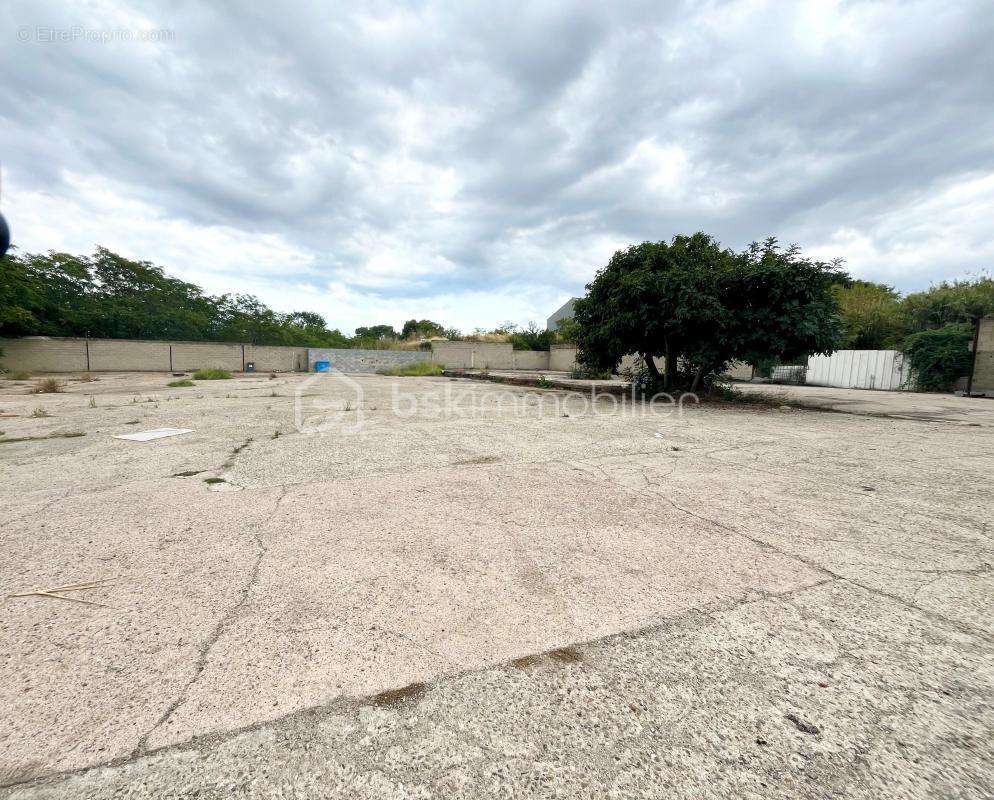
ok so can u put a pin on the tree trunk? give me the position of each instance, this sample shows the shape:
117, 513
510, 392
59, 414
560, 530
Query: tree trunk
697, 378
669, 382
650, 365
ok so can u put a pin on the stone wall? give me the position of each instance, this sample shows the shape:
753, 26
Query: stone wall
345, 360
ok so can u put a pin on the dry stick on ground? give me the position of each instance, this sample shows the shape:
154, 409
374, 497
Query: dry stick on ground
56, 591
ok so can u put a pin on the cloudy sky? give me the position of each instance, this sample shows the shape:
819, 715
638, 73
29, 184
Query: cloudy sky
475, 164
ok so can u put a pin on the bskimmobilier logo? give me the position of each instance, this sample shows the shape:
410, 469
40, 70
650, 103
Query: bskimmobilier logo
328, 402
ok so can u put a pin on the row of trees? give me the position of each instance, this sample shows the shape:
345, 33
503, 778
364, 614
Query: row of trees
879, 318
701, 306
108, 296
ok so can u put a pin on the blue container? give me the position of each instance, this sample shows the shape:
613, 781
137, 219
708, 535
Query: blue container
322, 366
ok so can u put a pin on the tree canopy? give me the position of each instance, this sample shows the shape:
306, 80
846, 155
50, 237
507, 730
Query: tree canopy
107, 295
700, 306
421, 329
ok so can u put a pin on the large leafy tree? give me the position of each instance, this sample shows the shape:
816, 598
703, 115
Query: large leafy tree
700, 306
422, 328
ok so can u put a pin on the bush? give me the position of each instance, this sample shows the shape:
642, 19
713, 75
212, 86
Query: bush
939, 356
180, 383
418, 369
48, 386
211, 374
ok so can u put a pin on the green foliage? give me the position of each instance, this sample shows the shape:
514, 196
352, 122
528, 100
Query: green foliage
107, 295
180, 384
530, 338
418, 369
700, 307
375, 332
543, 382
421, 329
211, 374
871, 313
945, 303
939, 356
567, 330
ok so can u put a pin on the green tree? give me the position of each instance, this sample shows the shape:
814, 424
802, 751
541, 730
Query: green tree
939, 356
700, 307
871, 313
531, 337
949, 302
423, 329
107, 295
375, 332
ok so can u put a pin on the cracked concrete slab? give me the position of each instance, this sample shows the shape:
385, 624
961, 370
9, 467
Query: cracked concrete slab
327, 569
828, 691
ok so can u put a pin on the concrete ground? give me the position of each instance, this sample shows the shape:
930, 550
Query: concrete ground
455, 588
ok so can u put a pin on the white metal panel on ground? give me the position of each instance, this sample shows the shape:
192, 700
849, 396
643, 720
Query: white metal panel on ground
860, 369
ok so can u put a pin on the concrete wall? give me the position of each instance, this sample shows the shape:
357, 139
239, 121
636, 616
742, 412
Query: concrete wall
562, 358
56, 354
276, 359
36, 354
492, 355
983, 371
345, 360
530, 359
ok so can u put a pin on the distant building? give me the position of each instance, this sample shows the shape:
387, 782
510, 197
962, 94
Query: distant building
565, 311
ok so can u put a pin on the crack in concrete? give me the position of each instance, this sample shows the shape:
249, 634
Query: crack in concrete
345, 704
203, 652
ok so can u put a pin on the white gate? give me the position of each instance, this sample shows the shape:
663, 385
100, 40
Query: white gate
860, 369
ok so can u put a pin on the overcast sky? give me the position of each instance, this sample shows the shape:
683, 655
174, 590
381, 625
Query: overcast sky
478, 164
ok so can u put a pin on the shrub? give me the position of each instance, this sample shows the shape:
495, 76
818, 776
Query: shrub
939, 356
418, 369
180, 383
48, 386
211, 374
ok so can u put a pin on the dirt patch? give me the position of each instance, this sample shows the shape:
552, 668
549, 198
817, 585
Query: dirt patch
476, 460
565, 655
393, 697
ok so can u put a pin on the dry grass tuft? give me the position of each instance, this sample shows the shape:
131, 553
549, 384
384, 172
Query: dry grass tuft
48, 386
